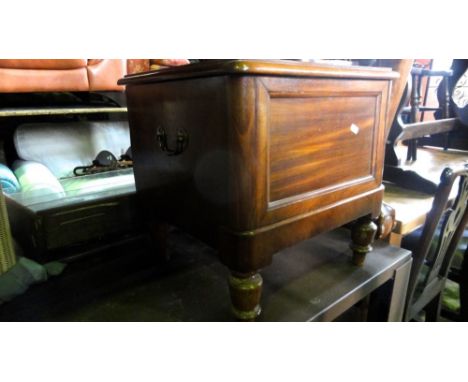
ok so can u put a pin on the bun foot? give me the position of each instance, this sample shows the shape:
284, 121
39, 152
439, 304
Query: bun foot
246, 291
362, 236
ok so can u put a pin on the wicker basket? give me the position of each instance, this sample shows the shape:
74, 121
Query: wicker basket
7, 253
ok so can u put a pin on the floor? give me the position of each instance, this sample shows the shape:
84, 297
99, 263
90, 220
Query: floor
131, 285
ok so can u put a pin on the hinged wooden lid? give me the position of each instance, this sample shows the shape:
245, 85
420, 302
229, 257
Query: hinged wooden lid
284, 68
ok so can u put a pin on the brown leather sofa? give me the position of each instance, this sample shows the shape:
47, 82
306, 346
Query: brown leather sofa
71, 75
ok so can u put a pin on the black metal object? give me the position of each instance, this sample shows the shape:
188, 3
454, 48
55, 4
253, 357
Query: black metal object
182, 139
105, 161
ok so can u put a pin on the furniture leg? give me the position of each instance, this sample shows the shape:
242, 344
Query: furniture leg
399, 290
388, 302
395, 239
158, 232
409, 151
433, 309
415, 105
463, 281
363, 308
446, 109
362, 236
245, 290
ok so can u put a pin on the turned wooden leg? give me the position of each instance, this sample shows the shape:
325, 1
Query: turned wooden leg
158, 232
246, 290
362, 236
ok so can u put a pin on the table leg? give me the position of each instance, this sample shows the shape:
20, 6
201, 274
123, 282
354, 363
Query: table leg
398, 295
388, 302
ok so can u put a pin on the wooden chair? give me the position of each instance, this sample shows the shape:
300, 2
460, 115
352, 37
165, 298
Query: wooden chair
458, 89
463, 281
407, 127
458, 274
417, 76
434, 248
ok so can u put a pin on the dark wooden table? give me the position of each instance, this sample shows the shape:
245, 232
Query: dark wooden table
312, 281
316, 280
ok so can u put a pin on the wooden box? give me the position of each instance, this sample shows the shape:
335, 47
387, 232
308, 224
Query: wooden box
254, 156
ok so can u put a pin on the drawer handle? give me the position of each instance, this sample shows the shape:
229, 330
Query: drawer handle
181, 141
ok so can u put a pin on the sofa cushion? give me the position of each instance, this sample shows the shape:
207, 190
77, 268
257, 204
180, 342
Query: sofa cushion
43, 64
37, 80
69, 75
103, 74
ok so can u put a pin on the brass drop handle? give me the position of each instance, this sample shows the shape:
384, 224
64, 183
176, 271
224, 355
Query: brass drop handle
181, 141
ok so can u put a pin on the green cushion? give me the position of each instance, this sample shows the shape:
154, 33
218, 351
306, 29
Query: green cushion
451, 296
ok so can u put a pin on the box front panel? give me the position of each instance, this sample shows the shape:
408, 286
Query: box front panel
318, 142
323, 142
